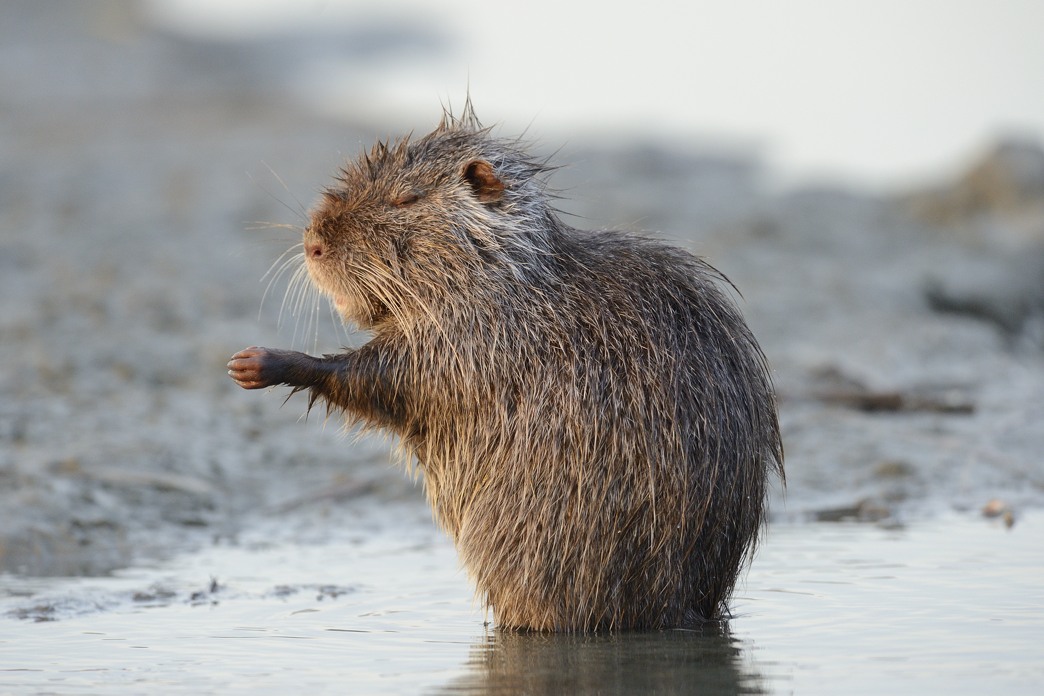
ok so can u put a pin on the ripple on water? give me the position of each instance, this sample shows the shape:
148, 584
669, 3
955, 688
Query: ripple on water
952, 604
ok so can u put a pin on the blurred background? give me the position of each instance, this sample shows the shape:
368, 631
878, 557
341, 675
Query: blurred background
875, 93
870, 176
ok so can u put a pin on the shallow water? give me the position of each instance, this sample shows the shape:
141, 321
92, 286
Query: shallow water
121, 440
953, 604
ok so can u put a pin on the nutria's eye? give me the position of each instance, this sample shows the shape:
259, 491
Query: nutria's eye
411, 196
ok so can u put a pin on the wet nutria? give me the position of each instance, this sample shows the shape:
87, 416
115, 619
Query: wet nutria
594, 420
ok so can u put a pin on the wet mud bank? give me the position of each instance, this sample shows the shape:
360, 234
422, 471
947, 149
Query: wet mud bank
149, 182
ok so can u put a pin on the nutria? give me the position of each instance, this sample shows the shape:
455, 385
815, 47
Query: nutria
594, 421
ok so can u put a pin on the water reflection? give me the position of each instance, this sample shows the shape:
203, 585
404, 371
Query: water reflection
707, 661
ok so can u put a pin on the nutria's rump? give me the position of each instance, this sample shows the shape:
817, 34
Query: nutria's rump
594, 421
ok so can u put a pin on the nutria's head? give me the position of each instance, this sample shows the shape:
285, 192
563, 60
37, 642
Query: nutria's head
411, 220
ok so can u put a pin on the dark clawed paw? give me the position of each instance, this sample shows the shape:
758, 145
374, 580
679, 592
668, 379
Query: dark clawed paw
251, 368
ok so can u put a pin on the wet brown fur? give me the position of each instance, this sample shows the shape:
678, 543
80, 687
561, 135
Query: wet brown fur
594, 421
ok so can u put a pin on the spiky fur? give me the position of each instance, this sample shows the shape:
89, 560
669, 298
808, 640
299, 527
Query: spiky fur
593, 419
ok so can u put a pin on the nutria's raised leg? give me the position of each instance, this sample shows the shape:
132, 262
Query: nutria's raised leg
257, 368
357, 382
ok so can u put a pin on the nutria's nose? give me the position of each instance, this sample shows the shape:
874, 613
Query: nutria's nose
313, 250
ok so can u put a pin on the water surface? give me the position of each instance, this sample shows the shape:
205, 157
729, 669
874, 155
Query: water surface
953, 604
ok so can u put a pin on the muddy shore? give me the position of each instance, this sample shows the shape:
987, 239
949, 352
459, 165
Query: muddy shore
145, 185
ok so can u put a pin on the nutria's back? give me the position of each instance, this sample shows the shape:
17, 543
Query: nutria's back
594, 421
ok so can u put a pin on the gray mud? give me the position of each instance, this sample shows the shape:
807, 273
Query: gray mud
146, 183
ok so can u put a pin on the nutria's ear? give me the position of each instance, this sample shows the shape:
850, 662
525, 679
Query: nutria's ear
479, 175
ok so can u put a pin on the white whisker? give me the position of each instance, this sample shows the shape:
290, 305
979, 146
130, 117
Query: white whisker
301, 211
255, 225
292, 290
281, 265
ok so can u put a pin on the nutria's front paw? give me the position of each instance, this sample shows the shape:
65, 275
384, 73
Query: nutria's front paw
257, 368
